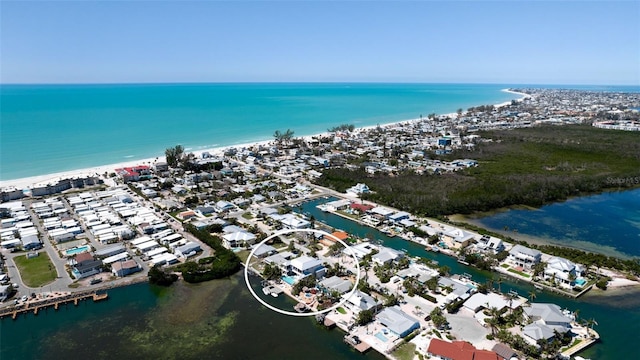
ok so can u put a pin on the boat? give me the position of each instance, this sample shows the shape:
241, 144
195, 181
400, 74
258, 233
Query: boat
463, 262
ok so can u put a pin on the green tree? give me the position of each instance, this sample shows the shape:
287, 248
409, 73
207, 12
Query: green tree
174, 155
364, 317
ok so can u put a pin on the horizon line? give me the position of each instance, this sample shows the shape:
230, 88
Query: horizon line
312, 82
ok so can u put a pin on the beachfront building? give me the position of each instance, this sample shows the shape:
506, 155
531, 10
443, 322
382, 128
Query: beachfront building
524, 257
397, 321
133, 173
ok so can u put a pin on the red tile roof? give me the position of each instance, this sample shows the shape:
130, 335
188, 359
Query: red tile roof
459, 350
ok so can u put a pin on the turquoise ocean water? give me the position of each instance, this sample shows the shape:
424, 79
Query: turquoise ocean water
53, 128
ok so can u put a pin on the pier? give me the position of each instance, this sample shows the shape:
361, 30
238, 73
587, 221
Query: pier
36, 306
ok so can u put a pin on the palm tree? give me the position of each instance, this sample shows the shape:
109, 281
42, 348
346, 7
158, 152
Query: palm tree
532, 295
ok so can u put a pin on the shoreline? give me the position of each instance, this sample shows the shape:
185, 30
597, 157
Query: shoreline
26, 183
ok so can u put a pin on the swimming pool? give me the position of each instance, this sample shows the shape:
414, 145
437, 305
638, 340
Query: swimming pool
289, 280
77, 250
380, 336
580, 281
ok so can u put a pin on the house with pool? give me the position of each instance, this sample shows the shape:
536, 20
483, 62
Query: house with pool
304, 266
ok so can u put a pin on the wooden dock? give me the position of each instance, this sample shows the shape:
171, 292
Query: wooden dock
14, 311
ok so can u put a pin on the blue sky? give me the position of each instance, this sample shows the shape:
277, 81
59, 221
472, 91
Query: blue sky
516, 42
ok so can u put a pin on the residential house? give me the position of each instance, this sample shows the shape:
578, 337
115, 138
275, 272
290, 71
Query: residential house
358, 189
86, 268
360, 301
306, 265
386, 256
124, 268
458, 350
187, 250
336, 283
459, 237
562, 270
523, 256
238, 238
397, 321
547, 320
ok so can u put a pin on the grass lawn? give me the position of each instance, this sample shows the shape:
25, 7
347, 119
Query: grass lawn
519, 273
405, 352
341, 310
505, 266
37, 271
244, 254
247, 215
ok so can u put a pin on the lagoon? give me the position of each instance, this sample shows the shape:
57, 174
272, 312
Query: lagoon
607, 223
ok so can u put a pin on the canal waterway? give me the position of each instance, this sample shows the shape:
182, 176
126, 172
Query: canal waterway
221, 319
617, 312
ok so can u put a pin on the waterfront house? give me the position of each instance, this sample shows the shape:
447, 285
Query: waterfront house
547, 320
86, 268
360, 301
124, 268
397, 321
386, 256
479, 301
459, 237
458, 350
331, 240
562, 270
523, 256
187, 250
306, 265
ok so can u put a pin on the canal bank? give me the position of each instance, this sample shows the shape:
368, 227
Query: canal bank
617, 313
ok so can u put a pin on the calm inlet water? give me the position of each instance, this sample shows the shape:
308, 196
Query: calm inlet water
221, 320
607, 223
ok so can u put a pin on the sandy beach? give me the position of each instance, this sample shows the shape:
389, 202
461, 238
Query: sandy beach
42, 180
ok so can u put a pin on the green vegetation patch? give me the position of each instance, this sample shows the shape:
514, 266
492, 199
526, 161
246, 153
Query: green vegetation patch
341, 310
405, 351
531, 166
37, 271
519, 273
